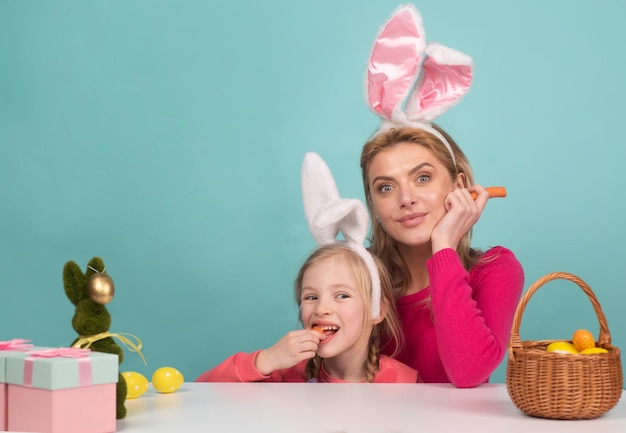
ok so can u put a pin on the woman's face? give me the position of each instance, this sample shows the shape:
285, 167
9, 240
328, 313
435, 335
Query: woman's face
408, 185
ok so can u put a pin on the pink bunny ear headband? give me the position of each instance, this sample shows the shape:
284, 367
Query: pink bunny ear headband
327, 214
401, 55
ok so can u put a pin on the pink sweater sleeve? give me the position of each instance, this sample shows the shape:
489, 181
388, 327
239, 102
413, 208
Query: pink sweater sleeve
473, 312
240, 368
236, 368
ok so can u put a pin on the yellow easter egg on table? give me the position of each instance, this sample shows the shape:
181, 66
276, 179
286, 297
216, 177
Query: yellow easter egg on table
562, 347
136, 384
583, 339
593, 350
167, 379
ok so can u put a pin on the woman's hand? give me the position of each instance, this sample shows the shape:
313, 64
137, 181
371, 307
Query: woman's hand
293, 348
462, 212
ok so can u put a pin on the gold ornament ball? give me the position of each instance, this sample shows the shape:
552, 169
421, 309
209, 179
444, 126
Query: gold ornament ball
101, 288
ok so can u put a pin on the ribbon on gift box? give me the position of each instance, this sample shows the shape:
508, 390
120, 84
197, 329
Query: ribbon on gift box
81, 356
15, 344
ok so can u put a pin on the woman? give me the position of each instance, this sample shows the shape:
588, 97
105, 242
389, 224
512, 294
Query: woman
455, 303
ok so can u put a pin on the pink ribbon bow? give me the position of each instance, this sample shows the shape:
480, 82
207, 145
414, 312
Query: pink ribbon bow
65, 352
81, 355
15, 344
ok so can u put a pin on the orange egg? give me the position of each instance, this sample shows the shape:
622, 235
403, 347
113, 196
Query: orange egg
583, 339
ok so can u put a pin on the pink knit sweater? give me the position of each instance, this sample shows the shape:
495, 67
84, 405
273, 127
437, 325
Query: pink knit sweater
240, 368
463, 337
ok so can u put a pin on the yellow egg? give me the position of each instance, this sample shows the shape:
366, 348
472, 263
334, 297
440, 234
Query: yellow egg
136, 384
561, 347
593, 350
167, 379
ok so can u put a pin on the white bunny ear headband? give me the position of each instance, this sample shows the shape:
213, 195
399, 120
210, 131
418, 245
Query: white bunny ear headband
401, 62
327, 214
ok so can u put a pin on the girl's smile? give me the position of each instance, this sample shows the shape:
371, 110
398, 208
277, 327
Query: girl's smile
327, 330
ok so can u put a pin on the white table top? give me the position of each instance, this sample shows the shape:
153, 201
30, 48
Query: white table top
344, 408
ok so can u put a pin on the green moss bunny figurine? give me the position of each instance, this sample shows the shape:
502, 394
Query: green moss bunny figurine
89, 292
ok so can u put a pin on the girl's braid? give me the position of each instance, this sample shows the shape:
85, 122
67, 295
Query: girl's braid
312, 368
373, 356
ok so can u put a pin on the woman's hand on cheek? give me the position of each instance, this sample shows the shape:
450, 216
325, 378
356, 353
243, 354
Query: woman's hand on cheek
291, 349
462, 212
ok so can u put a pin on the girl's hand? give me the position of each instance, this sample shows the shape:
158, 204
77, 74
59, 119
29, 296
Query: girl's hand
293, 348
462, 212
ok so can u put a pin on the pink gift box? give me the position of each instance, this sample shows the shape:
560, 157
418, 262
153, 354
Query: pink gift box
3, 406
61, 391
88, 409
8, 349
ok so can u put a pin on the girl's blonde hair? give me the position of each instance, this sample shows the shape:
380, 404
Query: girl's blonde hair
387, 330
382, 244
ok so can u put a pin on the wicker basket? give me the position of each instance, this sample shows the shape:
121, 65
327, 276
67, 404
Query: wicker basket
562, 386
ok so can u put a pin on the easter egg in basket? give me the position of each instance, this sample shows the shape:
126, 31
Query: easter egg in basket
583, 339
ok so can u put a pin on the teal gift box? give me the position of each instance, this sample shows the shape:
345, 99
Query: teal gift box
64, 390
59, 372
4, 355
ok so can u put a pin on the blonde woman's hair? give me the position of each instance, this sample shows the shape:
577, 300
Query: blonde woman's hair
383, 245
388, 330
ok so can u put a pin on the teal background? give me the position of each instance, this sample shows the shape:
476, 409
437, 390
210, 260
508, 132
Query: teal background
167, 136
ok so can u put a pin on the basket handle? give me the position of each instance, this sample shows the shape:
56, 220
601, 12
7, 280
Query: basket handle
516, 342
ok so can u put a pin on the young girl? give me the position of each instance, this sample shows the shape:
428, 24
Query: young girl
455, 303
345, 299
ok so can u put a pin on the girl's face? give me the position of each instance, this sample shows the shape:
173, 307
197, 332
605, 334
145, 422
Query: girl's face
331, 299
408, 185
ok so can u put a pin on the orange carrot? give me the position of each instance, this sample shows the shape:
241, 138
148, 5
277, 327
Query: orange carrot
494, 191
318, 329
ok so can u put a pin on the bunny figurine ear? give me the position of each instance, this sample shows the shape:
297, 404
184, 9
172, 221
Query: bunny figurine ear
401, 63
327, 214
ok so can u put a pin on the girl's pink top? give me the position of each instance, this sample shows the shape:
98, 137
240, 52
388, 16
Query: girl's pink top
240, 368
463, 336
